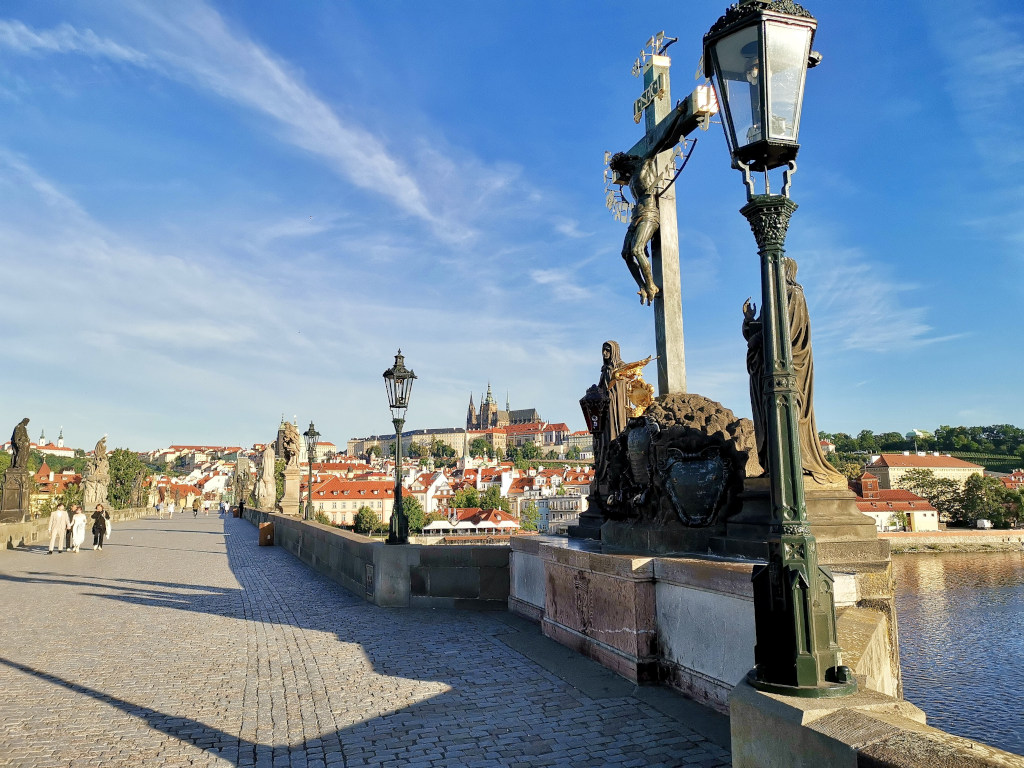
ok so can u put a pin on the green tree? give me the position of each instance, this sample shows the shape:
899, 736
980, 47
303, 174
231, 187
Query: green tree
529, 451
479, 447
125, 465
279, 465
321, 517
941, 492
529, 517
987, 498
72, 494
465, 498
5, 461
414, 513
367, 521
441, 450
573, 453
375, 451
492, 499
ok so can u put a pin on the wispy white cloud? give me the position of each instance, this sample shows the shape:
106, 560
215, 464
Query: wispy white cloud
856, 301
570, 228
564, 283
16, 36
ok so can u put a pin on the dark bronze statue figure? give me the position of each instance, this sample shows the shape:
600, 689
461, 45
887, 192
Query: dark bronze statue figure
812, 458
640, 172
20, 445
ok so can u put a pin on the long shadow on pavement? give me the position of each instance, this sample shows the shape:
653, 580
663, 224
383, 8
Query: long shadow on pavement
440, 686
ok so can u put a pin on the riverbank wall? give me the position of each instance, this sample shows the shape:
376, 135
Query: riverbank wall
956, 540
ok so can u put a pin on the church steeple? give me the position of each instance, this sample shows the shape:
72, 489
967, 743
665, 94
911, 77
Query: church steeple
471, 414
508, 408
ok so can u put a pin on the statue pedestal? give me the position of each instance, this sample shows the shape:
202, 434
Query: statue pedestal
653, 539
290, 500
847, 538
17, 489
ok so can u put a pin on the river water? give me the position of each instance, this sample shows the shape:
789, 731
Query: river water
961, 622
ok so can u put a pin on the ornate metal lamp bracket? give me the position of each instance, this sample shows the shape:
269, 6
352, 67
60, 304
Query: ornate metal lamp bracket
787, 178
748, 180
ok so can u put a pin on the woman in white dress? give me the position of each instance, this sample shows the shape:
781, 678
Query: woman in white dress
77, 529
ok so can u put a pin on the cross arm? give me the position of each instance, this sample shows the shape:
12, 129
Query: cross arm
689, 114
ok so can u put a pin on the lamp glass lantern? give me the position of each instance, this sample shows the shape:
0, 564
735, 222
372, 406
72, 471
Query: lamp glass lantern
311, 436
757, 56
398, 381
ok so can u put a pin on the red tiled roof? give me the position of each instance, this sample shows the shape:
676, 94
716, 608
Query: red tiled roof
922, 462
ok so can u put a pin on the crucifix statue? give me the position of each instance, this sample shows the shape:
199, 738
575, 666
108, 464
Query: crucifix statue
649, 169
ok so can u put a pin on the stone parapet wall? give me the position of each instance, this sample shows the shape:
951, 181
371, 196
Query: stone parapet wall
963, 540
399, 576
34, 531
683, 621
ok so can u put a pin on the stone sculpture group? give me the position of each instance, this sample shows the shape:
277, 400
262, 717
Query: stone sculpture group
684, 460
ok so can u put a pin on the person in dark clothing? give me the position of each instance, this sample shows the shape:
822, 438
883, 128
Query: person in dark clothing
99, 526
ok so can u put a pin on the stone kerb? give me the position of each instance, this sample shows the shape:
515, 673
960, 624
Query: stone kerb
412, 575
33, 531
866, 730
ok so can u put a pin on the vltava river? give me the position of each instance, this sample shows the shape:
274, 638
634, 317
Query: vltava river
961, 621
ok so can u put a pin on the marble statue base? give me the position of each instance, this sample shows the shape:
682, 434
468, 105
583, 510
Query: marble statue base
290, 500
17, 487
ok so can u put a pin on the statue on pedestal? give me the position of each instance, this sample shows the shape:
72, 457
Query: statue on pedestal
816, 467
17, 485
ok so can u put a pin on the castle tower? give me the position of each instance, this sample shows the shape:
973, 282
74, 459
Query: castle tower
471, 414
60, 438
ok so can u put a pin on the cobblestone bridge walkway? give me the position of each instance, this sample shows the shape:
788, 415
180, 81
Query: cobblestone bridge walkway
183, 643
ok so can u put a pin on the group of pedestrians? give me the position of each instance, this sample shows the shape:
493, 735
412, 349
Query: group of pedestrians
196, 506
69, 533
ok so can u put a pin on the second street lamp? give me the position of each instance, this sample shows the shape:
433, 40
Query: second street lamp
757, 55
398, 380
311, 436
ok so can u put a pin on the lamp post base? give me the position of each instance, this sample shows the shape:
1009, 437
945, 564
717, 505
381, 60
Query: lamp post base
825, 691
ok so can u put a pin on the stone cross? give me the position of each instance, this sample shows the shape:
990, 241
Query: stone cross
665, 125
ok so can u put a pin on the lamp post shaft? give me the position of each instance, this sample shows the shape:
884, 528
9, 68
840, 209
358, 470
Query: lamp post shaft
797, 651
309, 491
398, 530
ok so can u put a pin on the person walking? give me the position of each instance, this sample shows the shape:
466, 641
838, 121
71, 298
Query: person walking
170, 509
206, 507
78, 528
59, 524
195, 506
99, 526
67, 533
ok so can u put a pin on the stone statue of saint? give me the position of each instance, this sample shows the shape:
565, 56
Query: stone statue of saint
97, 476
292, 445
266, 486
20, 445
812, 458
242, 480
640, 172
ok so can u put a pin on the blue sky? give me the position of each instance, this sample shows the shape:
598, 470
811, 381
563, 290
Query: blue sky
215, 213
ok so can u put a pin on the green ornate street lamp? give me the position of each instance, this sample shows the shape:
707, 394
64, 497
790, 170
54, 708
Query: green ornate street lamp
398, 381
311, 436
757, 55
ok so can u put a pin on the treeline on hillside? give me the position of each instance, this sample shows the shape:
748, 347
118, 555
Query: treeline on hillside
1001, 439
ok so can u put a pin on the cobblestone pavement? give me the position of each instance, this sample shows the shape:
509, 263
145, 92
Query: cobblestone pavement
182, 643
